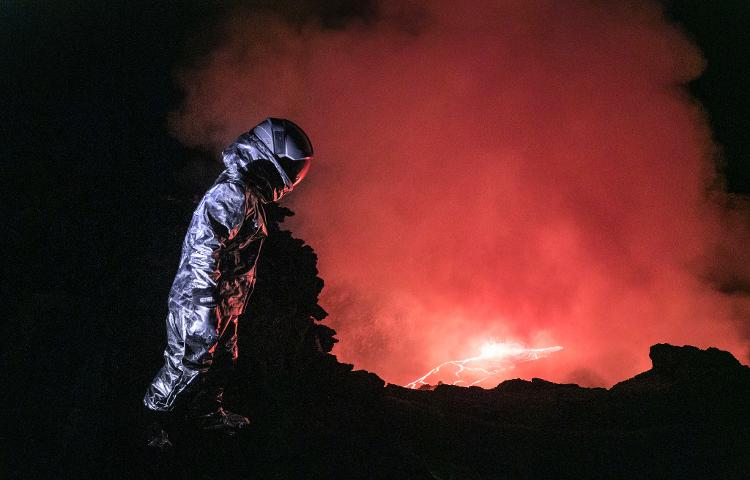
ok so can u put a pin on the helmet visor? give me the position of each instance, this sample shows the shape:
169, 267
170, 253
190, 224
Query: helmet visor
295, 169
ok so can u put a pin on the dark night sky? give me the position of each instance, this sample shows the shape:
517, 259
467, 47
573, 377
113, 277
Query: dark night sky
721, 31
86, 88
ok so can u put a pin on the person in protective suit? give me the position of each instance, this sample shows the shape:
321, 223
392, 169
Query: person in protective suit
216, 275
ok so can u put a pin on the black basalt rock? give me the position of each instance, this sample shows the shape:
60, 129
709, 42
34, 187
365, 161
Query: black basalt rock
687, 366
672, 360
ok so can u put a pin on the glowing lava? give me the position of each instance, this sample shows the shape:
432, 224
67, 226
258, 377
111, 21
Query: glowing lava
493, 358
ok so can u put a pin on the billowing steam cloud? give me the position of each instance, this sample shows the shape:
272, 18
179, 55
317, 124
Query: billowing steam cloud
529, 171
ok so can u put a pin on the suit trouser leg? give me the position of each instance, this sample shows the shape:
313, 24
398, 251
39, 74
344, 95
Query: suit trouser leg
210, 395
192, 337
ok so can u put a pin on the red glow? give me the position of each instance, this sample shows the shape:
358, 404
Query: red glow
530, 170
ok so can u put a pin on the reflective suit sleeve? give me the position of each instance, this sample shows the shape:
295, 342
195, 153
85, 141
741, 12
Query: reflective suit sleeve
221, 213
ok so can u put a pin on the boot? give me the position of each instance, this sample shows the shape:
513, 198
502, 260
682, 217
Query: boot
156, 435
207, 413
221, 420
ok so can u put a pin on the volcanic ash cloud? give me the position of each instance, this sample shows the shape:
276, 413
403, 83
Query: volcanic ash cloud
522, 171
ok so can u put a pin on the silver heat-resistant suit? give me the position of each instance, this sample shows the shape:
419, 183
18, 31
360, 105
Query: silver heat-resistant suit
216, 272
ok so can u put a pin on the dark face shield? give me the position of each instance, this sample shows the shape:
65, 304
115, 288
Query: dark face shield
296, 170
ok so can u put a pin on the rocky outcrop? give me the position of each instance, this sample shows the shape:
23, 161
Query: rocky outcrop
673, 366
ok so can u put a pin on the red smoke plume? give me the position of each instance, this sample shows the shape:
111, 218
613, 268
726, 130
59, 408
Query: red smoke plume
528, 171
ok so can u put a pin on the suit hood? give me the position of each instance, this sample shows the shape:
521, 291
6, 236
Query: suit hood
247, 161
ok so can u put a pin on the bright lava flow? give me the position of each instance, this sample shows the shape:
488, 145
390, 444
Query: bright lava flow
493, 358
